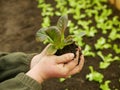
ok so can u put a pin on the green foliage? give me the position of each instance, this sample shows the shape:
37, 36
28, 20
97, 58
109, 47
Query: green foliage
94, 75
61, 4
66, 89
102, 44
62, 79
47, 12
114, 34
105, 86
106, 59
46, 22
54, 35
87, 51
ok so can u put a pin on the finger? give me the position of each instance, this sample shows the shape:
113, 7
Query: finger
44, 52
80, 50
117, 3
112, 1
77, 54
72, 64
64, 58
79, 67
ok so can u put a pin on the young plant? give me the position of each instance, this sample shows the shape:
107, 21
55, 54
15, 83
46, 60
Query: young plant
54, 35
94, 75
102, 44
116, 48
105, 86
87, 51
107, 60
114, 34
63, 79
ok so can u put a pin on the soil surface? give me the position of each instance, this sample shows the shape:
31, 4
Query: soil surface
19, 21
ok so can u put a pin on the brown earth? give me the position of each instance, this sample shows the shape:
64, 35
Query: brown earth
19, 21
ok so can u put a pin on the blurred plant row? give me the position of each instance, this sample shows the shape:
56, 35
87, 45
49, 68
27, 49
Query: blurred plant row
96, 19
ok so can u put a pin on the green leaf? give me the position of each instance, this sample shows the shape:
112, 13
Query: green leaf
80, 34
62, 23
46, 22
105, 86
41, 35
69, 40
104, 65
88, 51
51, 50
54, 34
102, 44
116, 48
62, 79
107, 60
94, 75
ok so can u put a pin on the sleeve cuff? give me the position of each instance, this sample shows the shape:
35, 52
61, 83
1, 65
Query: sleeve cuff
29, 82
29, 58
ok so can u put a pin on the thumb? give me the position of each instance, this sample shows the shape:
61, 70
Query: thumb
49, 50
112, 1
64, 58
44, 52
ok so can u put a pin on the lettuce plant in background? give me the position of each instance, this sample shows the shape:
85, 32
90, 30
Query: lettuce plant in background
106, 60
94, 75
105, 86
98, 77
102, 44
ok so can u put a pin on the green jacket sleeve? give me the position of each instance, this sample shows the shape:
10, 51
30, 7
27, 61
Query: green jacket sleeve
12, 69
12, 64
20, 82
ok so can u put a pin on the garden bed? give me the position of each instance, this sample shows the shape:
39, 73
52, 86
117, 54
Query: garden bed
20, 20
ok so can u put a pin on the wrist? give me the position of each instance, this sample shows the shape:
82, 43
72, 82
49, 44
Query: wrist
34, 75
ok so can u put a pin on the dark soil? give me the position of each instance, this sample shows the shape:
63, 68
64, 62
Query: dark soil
19, 21
68, 49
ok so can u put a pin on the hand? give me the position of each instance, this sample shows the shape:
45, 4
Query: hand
116, 3
55, 66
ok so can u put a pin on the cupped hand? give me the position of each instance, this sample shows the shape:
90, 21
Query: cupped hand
52, 66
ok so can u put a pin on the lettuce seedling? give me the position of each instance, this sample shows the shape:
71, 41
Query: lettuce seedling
88, 51
102, 44
114, 34
94, 75
116, 48
107, 60
54, 35
105, 86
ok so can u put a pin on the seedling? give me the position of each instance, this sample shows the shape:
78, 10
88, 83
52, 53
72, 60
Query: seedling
102, 44
106, 59
46, 22
94, 75
54, 35
63, 79
87, 51
114, 34
105, 86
